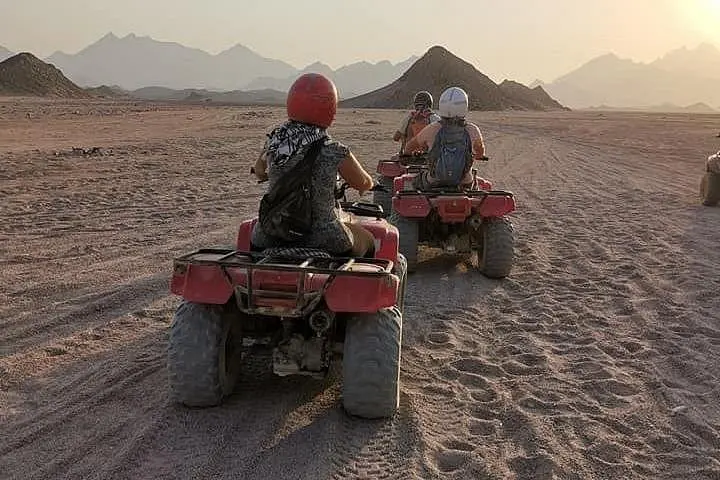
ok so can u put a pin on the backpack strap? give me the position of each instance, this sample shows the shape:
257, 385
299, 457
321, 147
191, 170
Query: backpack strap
308, 160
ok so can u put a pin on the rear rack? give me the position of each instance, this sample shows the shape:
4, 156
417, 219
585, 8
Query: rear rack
305, 265
467, 193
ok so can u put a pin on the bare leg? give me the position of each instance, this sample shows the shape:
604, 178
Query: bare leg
362, 240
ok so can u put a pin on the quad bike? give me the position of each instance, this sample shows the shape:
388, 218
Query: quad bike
310, 308
388, 170
460, 221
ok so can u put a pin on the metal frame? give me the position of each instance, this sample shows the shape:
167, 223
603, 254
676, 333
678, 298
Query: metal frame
304, 302
462, 193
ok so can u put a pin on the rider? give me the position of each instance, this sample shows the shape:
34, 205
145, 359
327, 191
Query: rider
311, 107
453, 108
416, 120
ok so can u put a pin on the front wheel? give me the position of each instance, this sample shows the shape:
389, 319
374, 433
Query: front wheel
497, 252
371, 364
203, 355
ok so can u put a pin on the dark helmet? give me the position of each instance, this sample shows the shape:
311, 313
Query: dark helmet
423, 100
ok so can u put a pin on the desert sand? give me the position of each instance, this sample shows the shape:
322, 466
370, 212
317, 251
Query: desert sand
596, 359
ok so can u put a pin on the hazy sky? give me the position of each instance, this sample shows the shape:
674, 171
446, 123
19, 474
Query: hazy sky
518, 39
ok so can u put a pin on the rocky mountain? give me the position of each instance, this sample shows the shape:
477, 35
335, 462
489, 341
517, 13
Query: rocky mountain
664, 108
682, 77
530, 98
26, 75
5, 53
439, 69
133, 62
702, 61
351, 80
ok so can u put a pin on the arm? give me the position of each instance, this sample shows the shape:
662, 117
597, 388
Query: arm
261, 167
354, 174
478, 149
400, 132
413, 144
478, 145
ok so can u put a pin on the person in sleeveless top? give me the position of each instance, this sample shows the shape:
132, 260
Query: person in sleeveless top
416, 120
311, 107
453, 109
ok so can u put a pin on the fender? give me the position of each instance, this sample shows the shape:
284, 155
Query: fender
390, 169
496, 206
245, 234
411, 206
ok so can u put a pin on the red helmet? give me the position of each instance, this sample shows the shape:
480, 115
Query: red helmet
312, 99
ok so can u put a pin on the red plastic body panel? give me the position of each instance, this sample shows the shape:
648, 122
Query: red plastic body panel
496, 206
405, 179
386, 237
202, 284
245, 234
453, 209
390, 168
412, 206
362, 294
207, 284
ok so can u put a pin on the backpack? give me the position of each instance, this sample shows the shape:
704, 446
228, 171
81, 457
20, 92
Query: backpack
286, 209
450, 155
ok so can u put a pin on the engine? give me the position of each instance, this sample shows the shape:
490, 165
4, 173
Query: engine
306, 345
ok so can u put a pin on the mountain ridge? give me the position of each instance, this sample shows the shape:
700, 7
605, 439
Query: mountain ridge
681, 77
439, 69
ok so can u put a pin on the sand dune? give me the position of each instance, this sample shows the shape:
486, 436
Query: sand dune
596, 359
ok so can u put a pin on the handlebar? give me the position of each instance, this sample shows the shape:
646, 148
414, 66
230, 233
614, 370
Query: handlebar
340, 192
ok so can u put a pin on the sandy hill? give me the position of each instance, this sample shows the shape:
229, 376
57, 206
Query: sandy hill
439, 69
25, 74
105, 91
236, 97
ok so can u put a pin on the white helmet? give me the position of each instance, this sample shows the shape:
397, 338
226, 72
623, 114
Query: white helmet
453, 103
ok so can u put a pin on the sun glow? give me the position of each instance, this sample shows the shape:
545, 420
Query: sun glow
703, 16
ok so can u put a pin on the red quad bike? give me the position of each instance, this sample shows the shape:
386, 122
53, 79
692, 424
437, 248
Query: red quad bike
388, 170
310, 308
462, 221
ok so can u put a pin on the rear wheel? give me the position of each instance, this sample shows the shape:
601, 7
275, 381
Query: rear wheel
371, 364
408, 235
496, 256
384, 199
204, 354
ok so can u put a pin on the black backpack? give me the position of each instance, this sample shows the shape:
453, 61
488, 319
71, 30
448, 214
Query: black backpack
286, 209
